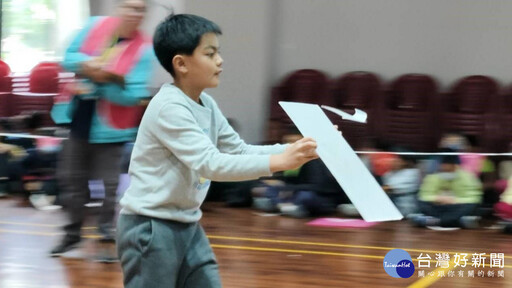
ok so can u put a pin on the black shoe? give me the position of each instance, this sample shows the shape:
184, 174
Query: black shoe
107, 238
67, 244
107, 235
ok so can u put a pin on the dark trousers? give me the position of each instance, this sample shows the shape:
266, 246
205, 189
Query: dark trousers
79, 162
448, 214
314, 203
158, 253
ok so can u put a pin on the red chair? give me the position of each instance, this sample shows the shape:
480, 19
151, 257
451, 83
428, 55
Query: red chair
54, 65
5, 70
5, 90
470, 108
504, 116
44, 78
359, 90
409, 114
43, 86
308, 86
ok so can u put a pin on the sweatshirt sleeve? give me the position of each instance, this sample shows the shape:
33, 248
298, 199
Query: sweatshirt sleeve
230, 142
179, 132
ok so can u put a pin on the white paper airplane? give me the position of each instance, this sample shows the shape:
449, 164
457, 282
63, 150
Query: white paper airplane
358, 116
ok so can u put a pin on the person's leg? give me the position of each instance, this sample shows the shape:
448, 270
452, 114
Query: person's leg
107, 166
406, 204
452, 214
429, 215
315, 204
152, 251
199, 268
429, 209
4, 172
73, 175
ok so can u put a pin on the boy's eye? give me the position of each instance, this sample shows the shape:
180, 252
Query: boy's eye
210, 55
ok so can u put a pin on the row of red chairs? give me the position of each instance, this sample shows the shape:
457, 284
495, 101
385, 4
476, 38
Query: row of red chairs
21, 93
409, 112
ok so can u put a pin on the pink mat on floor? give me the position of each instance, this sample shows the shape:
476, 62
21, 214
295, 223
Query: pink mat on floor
340, 222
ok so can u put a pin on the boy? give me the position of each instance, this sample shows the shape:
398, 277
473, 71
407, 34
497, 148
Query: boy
184, 141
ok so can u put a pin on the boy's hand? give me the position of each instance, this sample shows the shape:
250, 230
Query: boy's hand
294, 156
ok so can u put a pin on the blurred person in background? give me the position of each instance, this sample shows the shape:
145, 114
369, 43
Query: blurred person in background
112, 60
503, 208
402, 183
450, 197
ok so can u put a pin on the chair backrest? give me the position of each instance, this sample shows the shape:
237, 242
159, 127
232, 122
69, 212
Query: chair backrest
505, 104
409, 116
413, 92
5, 79
504, 116
356, 90
54, 65
44, 78
5, 70
307, 85
473, 94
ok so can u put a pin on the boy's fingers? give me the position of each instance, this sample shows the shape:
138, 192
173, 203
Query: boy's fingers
307, 139
308, 146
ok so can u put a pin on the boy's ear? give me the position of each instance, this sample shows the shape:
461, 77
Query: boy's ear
179, 64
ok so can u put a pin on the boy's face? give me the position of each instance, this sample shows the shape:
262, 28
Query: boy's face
204, 65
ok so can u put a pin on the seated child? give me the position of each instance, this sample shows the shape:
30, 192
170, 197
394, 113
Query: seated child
402, 184
449, 198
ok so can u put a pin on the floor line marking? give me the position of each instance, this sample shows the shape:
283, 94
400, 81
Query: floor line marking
269, 249
294, 251
429, 280
270, 240
330, 244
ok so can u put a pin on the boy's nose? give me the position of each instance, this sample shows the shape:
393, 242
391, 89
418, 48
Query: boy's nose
219, 61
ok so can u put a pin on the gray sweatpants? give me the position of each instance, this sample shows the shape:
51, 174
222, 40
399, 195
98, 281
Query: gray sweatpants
158, 253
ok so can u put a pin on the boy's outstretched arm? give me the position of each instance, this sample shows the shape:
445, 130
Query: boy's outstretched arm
178, 131
295, 155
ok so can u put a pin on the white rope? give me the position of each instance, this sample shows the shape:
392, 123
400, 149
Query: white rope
357, 152
434, 153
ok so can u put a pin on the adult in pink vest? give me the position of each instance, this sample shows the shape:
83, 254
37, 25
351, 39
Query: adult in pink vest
113, 62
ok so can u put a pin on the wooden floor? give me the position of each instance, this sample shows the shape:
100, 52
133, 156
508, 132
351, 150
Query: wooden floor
255, 251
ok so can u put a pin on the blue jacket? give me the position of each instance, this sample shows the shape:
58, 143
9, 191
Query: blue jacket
135, 90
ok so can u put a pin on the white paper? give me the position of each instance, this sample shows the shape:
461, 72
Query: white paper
360, 186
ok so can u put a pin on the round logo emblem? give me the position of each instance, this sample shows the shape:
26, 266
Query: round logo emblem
398, 264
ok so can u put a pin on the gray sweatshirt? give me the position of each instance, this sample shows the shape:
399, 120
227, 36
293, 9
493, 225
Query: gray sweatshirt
182, 145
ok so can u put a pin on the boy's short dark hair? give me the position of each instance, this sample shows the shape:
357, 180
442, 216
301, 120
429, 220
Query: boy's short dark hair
180, 34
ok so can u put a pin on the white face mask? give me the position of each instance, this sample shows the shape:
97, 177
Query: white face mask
447, 175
